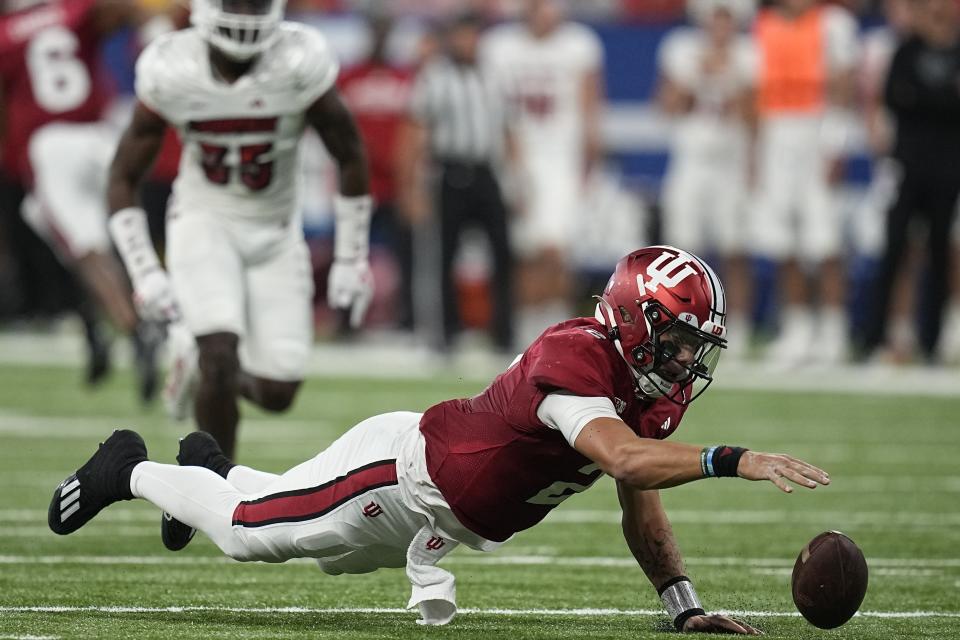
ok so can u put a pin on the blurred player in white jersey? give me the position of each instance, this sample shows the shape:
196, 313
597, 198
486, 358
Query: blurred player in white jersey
807, 57
551, 71
706, 76
240, 87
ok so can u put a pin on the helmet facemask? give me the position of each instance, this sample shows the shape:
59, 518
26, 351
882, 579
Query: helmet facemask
679, 359
241, 29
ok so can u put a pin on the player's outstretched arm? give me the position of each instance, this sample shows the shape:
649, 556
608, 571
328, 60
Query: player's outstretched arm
651, 541
350, 284
138, 148
643, 463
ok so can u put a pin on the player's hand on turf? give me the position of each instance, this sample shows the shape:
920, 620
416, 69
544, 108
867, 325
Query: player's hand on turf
778, 468
154, 299
350, 286
718, 624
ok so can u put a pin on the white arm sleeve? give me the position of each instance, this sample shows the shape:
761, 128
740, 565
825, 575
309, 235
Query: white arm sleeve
569, 414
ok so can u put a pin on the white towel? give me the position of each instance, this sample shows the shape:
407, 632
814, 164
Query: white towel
434, 590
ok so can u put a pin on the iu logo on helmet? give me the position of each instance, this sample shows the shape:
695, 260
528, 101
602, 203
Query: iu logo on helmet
667, 270
436, 542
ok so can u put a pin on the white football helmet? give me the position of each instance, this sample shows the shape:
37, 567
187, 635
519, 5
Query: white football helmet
742, 11
240, 29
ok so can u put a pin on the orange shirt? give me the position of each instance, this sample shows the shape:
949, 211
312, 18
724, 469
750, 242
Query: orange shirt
793, 62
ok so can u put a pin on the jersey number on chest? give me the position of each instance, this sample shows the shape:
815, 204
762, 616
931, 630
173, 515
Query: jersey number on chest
560, 491
254, 161
59, 80
256, 171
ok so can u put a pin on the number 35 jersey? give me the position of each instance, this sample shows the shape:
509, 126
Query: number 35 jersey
497, 465
240, 141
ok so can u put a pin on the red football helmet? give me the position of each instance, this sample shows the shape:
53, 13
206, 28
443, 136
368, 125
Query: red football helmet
665, 310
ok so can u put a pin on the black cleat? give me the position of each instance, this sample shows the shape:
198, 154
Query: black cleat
103, 480
175, 534
198, 449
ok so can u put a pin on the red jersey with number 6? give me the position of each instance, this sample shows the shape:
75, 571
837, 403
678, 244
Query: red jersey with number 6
240, 140
498, 466
49, 71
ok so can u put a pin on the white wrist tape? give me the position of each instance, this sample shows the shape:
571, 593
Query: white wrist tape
680, 600
352, 232
131, 235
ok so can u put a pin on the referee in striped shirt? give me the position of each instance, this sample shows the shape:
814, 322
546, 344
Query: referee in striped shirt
457, 125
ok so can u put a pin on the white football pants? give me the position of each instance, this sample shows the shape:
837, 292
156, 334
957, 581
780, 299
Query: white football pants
343, 507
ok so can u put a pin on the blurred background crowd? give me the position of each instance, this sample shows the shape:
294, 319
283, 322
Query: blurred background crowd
518, 148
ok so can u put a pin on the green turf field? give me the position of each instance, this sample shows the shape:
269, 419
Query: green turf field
895, 464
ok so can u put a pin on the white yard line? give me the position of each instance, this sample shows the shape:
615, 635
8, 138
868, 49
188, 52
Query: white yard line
881, 566
468, 611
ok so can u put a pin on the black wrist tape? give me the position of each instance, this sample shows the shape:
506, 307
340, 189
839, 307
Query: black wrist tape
681, 619
726, 460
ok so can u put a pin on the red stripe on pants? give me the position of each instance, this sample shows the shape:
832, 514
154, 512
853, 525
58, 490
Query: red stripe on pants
306, 504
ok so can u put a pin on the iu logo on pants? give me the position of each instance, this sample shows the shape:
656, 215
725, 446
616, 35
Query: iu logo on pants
372, 510
434, 543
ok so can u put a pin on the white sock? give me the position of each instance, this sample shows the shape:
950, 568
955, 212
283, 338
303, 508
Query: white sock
248, 481
193, 495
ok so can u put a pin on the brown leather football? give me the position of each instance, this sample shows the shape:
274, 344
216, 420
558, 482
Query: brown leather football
829, 580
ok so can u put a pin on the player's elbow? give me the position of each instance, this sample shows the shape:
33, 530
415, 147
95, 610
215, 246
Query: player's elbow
628, 464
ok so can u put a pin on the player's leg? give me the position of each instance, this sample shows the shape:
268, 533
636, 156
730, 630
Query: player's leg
215, 406
898, 221
683, 205
942, 196
821, 244
119, 470
772, 231
70, 163
279, 333
346, 498
729, 194
207, 273
491, 212
452, 209
200, 449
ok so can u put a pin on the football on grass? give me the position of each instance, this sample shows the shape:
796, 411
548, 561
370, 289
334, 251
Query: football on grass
829, 580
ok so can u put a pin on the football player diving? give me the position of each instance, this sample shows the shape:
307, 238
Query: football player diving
590, 396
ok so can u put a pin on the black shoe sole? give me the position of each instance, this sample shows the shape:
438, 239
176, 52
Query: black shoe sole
175, 534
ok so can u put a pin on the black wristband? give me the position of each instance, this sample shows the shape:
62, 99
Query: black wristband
681, 619
680, 600
672, 581
726, 460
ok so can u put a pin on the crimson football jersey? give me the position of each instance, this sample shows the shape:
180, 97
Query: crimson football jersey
378, 96
498, 466
49, 71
